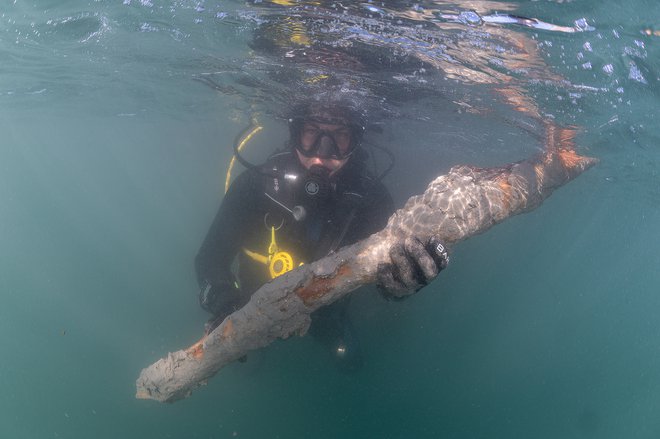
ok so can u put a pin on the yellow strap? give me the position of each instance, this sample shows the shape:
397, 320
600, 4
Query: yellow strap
256, 256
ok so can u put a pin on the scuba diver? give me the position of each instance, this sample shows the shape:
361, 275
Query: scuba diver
302, 204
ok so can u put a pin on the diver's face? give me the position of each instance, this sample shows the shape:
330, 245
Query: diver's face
314, 132
332, 165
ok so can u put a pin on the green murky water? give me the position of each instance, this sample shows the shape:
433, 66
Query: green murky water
116, 122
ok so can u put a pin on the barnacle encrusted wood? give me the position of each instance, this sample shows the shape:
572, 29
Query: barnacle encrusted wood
465, 202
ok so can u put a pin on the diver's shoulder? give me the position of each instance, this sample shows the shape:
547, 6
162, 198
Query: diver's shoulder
280, 156
373, 185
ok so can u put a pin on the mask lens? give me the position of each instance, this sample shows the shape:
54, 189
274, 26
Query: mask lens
326, 147
343, 140
335, 143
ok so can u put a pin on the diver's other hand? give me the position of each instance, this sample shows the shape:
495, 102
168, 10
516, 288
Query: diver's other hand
413, 266
220, 298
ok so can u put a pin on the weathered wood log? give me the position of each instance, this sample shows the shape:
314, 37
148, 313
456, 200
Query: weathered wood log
465, 202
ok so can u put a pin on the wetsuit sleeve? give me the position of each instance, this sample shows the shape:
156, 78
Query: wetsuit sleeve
227, 233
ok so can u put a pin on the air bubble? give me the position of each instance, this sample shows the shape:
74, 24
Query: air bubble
635, 74
470, 17
582, 25
374, 9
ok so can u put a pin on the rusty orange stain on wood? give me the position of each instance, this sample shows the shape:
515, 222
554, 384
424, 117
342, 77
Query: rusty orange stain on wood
197, 350
570, 159
539, 171
228, 329
320, 286
505, 187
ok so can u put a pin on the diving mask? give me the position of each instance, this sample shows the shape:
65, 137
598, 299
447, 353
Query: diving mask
334, 140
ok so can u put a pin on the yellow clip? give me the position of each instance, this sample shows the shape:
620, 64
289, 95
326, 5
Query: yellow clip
281, 263
278, 262
272, 248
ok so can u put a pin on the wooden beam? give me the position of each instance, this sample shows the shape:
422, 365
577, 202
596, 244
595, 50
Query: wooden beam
465, 202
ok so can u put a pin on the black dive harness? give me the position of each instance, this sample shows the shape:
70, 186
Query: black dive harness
296, 190
300, 196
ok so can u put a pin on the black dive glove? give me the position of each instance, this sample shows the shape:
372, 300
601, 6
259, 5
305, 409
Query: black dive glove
413, 265
220, 298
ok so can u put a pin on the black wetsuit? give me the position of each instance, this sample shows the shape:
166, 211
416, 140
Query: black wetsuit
355, 207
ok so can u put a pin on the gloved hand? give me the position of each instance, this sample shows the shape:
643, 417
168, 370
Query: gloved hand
220, 299
413, 265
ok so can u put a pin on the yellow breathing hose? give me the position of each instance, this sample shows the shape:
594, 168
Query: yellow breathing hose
244, 141
278, 262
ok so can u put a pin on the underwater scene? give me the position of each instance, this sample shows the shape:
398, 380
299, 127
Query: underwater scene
124, 123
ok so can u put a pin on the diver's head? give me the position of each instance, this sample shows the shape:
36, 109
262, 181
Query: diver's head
325, 135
